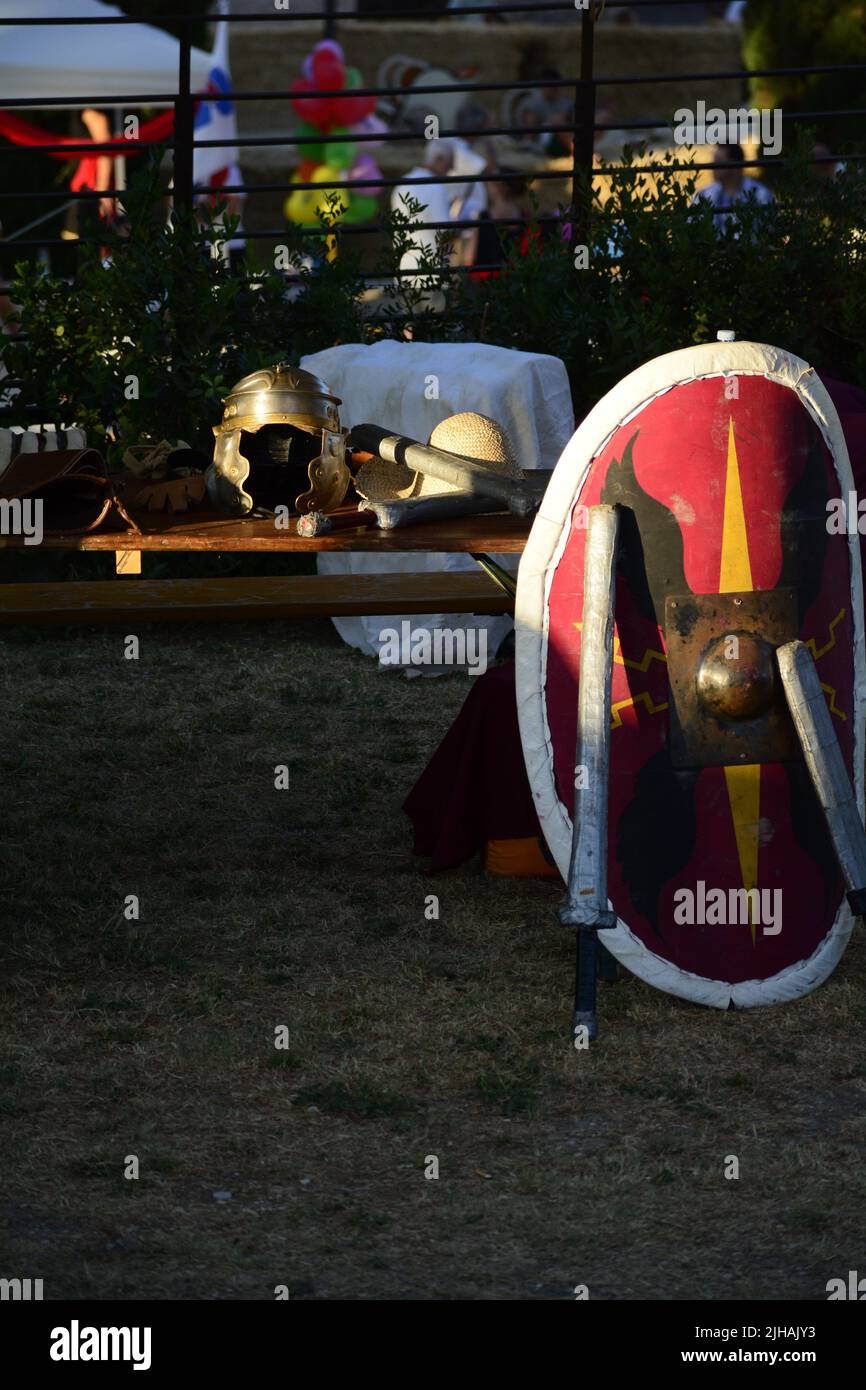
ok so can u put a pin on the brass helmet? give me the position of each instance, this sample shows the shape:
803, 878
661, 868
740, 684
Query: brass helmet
294, 445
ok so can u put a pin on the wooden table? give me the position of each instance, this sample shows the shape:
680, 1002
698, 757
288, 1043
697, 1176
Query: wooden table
291, 596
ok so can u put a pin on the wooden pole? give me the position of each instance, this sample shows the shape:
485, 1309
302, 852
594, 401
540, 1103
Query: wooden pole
586, 906
823, 758
584, 134
183, 126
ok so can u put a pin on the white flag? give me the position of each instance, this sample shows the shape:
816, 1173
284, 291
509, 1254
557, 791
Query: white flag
215, 118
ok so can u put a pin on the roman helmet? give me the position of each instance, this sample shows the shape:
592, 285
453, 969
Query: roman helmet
279, 443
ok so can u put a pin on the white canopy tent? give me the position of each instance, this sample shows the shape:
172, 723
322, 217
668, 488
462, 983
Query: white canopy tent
88, 60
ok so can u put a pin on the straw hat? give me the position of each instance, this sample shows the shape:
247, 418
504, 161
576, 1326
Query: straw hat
474, 436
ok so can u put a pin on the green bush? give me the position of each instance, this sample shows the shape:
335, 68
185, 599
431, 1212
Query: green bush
661, 276
167, 317
778, 33
154, 330
149, 335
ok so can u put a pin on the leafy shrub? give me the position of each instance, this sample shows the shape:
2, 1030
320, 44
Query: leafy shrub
150, 334
155, 329
660, 275
779, 34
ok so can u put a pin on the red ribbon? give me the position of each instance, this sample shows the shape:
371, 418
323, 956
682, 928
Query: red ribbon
23, 133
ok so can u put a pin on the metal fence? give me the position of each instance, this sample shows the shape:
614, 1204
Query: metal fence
584, 85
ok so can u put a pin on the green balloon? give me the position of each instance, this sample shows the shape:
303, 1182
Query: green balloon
361, 208
316, 152
340, 154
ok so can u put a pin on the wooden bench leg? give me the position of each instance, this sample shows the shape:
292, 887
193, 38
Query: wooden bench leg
127, 561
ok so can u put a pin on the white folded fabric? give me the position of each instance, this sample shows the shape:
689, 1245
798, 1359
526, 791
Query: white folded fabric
409, 388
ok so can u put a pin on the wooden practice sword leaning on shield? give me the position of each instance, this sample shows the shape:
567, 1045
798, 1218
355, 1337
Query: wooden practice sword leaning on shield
586, 906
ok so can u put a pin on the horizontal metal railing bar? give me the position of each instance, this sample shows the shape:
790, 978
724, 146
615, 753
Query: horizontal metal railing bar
362, 229
302, 187
289, 138
377, 277
299, 16
316, 16
151, 98
390, 137
354, 230
530, 176
552, 221
167, 98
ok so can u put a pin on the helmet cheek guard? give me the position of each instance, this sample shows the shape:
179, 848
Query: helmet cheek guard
227, 474
328, 475
294, 452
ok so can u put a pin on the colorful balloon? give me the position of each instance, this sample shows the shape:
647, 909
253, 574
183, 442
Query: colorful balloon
370, 125
339, 153
304, 205
351, 109
365, 167
328, 70
313, 110
361, 209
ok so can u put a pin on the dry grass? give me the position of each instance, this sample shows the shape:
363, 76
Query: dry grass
409, 1037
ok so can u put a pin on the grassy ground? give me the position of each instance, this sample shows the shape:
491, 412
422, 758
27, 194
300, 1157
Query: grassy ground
409, 1037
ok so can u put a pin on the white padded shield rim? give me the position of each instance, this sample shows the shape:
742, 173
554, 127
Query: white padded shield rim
538, 564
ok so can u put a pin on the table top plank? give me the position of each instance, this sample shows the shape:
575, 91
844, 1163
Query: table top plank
215, 533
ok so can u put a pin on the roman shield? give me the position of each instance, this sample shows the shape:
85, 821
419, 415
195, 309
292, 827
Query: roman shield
728, 463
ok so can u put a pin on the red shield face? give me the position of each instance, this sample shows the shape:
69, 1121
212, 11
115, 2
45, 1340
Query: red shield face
720, 865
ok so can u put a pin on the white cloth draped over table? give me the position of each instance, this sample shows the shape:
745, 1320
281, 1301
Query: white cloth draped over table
408, 388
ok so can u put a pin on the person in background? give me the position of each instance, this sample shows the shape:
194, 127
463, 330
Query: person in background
469, 200
88, 217
731, 186
435, 200
506, 199
826, 166
98, 127
473, 122
551, 106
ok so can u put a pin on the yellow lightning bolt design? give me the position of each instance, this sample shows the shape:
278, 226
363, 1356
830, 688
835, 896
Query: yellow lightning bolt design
817, 653
812, 644
643, 665
644, 698
832, 706
735, 576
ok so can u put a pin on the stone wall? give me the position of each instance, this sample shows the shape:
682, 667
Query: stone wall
268, 57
